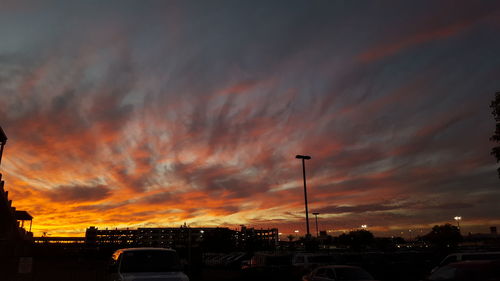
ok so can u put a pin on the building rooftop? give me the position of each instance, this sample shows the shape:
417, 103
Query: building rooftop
3, 136
23, 216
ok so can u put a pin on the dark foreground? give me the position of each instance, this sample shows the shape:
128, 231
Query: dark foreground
84, 266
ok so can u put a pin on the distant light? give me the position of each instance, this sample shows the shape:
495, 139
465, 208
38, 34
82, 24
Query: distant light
457, 218
296, 231
364, 226
280, 233
201, 231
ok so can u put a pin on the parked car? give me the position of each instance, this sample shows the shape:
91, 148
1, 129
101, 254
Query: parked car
311, 260
480, 270
305, 262
134, 264
269, 266
456, 257
338, 273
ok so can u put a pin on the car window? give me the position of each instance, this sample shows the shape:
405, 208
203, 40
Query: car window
321, 272
448, 260
329, 274
279, 260
321, 259
443, 273
149, 261
299, 259
481, 257
113, 263
351, 273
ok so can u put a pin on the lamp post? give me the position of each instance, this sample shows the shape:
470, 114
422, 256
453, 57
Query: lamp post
317, 231
458, 219
303, 158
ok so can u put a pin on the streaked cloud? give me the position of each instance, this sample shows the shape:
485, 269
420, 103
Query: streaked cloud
157, 113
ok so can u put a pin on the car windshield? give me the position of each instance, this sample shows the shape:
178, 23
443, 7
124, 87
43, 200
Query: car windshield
278, 260
348, 273
443, 273
150, 261
321, 259
481, 257
466, 271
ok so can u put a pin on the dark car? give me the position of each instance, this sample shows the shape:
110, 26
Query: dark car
338, 273
456, 257
481, 270
141, 264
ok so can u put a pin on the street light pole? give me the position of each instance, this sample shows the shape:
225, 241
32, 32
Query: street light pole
317, 231
458, 219
305, 157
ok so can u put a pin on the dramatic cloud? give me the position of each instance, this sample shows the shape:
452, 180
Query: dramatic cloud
127, 114
78, 193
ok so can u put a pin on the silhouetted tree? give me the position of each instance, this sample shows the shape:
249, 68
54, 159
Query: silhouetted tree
398, 240
310, 244
357, 239
443, 236
495, 106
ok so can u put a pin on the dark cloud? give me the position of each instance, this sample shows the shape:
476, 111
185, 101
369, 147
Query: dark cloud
358, 208
102, 207
78, 193
159, 198
388, 208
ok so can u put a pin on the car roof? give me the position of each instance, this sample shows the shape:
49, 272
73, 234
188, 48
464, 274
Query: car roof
143, 249
474, 253
475, 263
312, 255
337, 266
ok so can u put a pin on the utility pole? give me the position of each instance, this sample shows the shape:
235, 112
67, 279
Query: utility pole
317, 230
303, 158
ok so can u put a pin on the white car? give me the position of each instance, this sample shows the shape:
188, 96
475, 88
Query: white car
138, 264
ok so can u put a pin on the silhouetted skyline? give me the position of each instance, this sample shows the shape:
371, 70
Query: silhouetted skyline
131, 114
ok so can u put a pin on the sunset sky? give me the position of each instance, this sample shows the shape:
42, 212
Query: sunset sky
155, 113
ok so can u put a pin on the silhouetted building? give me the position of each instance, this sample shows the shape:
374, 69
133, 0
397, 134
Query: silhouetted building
212, 238
94, 236
161, 236
15, 241
257, 238
59, 240
11, 220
